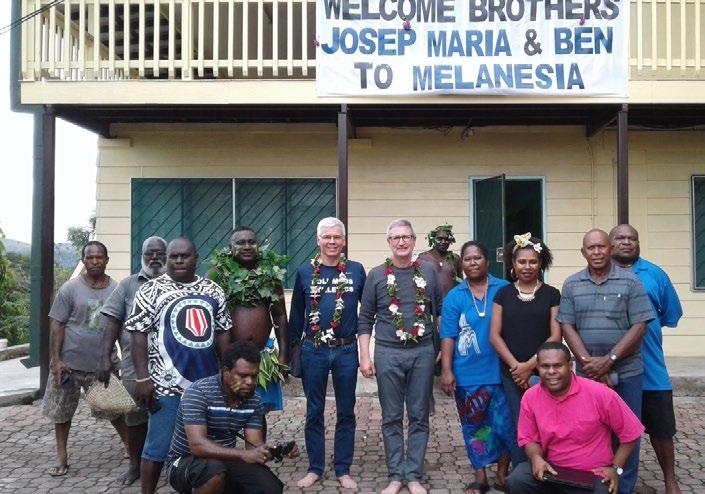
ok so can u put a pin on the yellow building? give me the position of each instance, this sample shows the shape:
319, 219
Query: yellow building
209, 117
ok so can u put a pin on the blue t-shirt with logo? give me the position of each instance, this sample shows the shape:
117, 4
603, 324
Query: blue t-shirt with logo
328, 279
182, 321
475, 361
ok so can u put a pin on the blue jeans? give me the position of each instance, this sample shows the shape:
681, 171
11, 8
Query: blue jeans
317, 363
629, 389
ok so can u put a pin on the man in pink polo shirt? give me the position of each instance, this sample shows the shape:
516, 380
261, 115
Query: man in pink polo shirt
568, 422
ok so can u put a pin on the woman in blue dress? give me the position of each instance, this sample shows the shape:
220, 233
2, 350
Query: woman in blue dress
470, 369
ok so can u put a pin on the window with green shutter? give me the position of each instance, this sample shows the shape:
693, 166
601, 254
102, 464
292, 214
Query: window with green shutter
698, 195
199, 209
283, 212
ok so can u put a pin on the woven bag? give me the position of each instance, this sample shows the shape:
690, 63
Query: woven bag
112, 400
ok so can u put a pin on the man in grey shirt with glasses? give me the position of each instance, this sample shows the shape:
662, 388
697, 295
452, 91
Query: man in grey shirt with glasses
402, 300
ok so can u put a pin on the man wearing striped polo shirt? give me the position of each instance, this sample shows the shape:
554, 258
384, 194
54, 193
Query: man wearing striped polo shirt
211, 415
603, 313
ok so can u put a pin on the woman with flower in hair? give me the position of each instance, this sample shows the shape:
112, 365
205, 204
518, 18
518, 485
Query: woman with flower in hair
470, 369
523, 317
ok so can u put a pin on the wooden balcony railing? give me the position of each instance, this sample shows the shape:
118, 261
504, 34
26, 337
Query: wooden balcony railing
270, 39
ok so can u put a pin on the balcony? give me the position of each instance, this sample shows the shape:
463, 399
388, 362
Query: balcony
273, 40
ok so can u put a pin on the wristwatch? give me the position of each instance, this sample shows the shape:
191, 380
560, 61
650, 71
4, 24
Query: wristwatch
618, 469
613, 357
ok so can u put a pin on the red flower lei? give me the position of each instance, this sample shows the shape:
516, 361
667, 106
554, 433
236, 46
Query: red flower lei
314, 316
419, 311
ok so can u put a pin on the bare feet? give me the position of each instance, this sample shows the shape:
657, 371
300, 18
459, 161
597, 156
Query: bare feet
415, 487
393, 488
310, 479
129, 477
346, 482
673, 488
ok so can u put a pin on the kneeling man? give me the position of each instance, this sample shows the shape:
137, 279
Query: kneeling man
568, 422
213, 412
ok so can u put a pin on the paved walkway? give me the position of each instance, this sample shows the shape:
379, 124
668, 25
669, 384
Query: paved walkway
27, 445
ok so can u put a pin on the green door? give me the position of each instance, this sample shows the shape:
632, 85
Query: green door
284, 213
199, 209
489, 219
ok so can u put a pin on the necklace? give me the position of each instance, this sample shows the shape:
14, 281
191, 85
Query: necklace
524, 296
314, 317
419, 327
484, 297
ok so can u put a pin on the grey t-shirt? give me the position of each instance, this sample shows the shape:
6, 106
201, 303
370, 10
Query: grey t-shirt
374, 309
119, 306
77, 306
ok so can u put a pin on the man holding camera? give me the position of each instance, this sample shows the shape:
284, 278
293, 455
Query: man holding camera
213, 413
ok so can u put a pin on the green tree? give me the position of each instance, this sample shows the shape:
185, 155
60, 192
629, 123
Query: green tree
14, 305
78, 236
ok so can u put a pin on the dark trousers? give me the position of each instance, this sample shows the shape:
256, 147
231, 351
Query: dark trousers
404, 380
190, 473
629, 389
522, 481
342, 363
514, 394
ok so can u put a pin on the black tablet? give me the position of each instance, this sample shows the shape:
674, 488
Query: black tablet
571, 477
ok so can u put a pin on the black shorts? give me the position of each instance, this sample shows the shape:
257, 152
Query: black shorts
657, 414
190, 473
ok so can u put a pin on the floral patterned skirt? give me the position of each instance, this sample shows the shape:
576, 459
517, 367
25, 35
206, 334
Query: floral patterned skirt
486, 423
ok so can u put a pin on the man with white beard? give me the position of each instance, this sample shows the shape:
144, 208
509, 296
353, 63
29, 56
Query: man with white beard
115, 310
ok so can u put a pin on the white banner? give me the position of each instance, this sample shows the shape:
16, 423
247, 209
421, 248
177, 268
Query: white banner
486, 47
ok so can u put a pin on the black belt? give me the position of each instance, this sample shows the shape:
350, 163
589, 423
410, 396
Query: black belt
335, 342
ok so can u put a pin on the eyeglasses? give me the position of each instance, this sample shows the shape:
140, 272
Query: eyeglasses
398, 238
328, 238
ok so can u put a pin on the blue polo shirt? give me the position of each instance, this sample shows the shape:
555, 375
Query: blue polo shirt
667, 307
474, 360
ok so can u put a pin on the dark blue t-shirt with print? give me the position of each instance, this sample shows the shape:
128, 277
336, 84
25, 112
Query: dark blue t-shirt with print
328, 279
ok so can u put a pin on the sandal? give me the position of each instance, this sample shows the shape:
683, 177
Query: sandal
59, 470
500, 487
477, 487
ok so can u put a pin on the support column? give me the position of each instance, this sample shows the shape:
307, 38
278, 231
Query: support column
42, 255
622, 166
342, 182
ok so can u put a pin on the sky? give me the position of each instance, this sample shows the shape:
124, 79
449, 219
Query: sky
76, 153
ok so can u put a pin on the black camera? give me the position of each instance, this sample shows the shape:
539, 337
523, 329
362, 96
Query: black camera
282, 449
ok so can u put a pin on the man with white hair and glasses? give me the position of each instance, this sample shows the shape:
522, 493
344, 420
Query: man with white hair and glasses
327, 291
402, 300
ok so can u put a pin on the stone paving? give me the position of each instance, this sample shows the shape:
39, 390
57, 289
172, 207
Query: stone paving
27, 446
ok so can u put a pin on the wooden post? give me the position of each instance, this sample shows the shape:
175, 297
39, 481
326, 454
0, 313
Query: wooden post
342, 182
42, 256
622, 166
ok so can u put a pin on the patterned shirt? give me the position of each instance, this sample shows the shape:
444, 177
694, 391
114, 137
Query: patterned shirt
602, 313
181, 321
204, 403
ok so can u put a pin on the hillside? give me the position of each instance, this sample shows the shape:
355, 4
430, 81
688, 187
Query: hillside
64, 254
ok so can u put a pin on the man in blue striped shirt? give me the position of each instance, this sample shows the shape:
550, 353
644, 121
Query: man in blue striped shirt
211, 415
